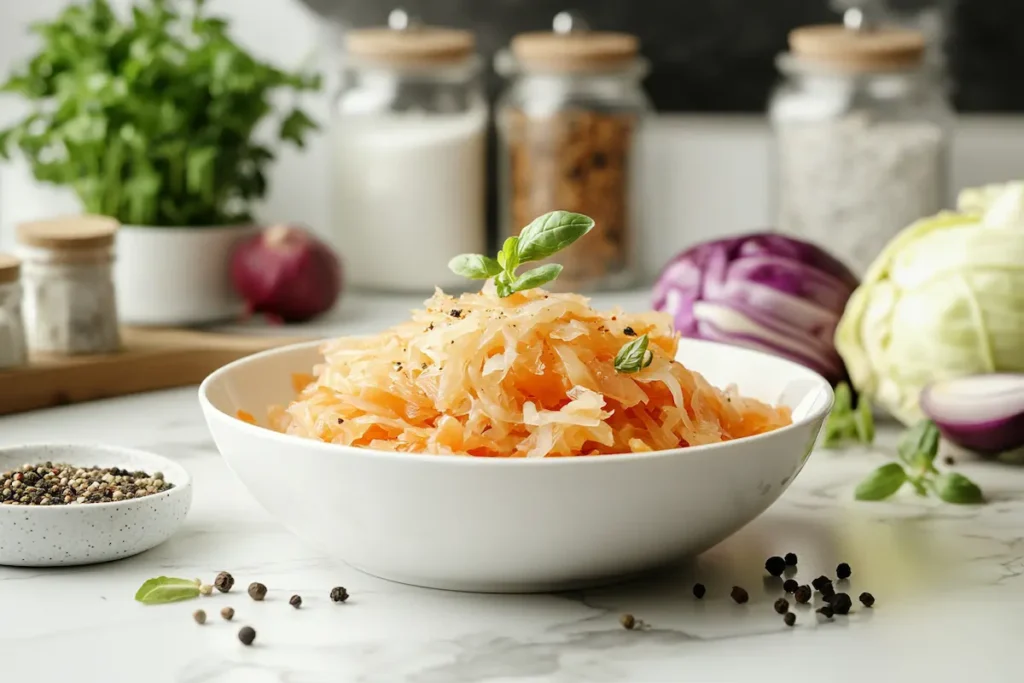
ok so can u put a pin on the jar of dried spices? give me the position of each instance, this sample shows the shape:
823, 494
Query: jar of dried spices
12, 329
69, 300
862, 129
568, 124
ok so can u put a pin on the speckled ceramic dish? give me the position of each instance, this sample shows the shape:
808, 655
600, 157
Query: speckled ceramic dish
63, 535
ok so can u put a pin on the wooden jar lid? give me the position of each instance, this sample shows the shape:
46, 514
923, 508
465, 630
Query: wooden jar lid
575, 50
414, 46
881, 48
69, 233
10, 267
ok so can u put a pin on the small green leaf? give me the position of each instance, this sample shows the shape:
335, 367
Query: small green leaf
882, 483
864, 421
838, 429
919, 445
164, 589
295, 126
537, 277
844, 399
502, 285
954, 487
632, 357
551, 233
509, 255
474, 266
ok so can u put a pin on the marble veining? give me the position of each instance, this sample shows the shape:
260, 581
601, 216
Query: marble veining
949, 583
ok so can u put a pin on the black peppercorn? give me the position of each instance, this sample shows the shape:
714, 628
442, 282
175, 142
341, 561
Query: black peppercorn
224, 582
790, 559
629, 332
826, 611
820, 581
782, 605
339, 594
775, 565
949, 460
699, 590
790, 585
257, 591
247, 634
295, 601
828, 592
789, 619
628, 621
843, 571
739, 595
802, 594
867, 599
841, 604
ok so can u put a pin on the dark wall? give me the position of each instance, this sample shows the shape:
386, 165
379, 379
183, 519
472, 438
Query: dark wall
717, 55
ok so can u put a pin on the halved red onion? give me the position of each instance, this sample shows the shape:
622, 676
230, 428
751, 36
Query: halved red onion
982, 413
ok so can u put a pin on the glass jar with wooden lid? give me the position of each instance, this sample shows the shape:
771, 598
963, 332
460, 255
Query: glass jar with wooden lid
568, 124
12, 328
69, 302
862, 125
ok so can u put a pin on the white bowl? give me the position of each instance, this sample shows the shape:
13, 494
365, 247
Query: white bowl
513, 525
64, 535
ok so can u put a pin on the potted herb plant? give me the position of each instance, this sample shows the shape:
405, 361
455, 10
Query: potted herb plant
151, 118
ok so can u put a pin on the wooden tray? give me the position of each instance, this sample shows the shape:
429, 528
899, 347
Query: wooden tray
151, 359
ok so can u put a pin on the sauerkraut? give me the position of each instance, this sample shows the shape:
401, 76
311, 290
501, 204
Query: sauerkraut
529, 375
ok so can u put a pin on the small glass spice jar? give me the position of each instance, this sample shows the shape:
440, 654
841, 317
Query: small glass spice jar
69, 300
13, 352
862, 126
568, 125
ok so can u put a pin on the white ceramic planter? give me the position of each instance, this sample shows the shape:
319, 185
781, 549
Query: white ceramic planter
176, 276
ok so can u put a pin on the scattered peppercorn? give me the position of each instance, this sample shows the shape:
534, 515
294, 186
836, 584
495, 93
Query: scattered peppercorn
949, 460
629, 332
841, 604
775, 565
339, 594
628, 621
227, 613
820, 581
456, 313
826, 611
782, 605
867, 599
802, 594
205, 589
790, 585
699, 590
828, 591
739, 595
790, 559
247, 634
224, 582
257, 591
843, 571
789, 619
59, 484
295, 601
200, 616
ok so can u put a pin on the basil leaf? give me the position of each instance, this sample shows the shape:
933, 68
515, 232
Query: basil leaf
844, 399
632, 357
164, 589
551, 233
502, 285
954, 487
474, 266
508, 257
864, 421
536, 277
838, 428
882, 483
919, 445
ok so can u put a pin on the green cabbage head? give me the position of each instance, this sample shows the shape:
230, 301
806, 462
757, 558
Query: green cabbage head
945, 298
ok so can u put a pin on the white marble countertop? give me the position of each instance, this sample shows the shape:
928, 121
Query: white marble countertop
948, 581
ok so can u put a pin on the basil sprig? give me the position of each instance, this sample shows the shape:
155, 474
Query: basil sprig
542, 238
915, 465
847, 424
164, 589
634, 356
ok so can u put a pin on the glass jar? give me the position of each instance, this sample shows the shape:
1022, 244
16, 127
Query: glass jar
409, 172
568, 125
12, 329
862, 131
69, 302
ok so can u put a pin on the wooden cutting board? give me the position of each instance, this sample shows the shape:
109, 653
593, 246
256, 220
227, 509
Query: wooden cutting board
151, 359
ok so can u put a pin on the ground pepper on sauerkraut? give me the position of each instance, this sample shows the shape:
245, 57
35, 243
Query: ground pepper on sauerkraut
529, 375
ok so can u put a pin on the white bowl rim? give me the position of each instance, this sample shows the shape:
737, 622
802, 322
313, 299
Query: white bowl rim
451, 459
185, 484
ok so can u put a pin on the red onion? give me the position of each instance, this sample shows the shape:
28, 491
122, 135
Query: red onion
286, 272
982, 413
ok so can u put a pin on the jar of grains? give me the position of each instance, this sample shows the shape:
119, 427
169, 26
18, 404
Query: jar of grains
568, 124
12, 329
862, 125
69, 290
409, 158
